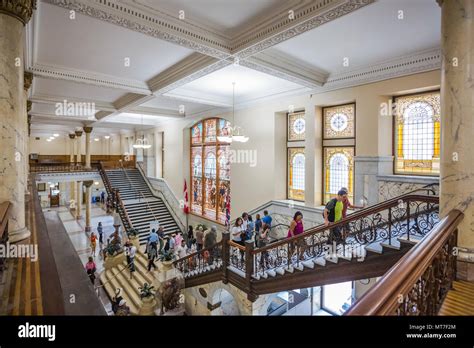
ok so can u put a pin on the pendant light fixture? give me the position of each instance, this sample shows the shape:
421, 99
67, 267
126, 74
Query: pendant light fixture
142, 143
236, 133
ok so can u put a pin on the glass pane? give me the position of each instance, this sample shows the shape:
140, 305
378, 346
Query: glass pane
224, 127
296, 126
296, 173
196, 180
210, 189
337, 298
196, 134
417, 134
339, 121
338, 171
210, 130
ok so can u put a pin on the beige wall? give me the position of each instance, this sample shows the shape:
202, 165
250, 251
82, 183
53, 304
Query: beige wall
265, 124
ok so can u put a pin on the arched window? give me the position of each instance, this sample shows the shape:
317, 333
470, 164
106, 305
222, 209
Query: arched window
338, 149
296, 134
209, 192
296, 173
338, 171
417, 134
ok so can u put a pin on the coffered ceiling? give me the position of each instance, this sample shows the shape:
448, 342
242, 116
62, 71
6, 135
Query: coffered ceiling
168, 59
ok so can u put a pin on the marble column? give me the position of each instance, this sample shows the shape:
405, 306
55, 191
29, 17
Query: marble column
457, 126
78, 146
71, 153
88, 131
79, 200
88, 185
72, 194
28, 80
13, 16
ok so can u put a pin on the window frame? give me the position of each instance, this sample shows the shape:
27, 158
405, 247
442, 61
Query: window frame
395, 134
294, 144
288, 148
324, 123
323, 175
217, 145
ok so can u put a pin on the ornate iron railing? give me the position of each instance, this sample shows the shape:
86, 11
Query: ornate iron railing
61, 167
405, 215
417, 284
202, 261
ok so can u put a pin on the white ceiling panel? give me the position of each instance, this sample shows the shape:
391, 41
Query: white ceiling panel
85, 43
375, 33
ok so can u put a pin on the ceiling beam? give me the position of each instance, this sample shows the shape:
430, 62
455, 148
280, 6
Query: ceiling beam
187, 70
277, 64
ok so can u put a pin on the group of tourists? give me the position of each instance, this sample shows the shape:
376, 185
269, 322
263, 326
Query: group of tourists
245, 229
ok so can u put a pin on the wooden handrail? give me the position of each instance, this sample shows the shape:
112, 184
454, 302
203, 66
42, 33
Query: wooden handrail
236, 245
198, 252
352, 217
383, 297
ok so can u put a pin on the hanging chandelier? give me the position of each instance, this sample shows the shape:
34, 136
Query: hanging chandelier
235, 133
141, 143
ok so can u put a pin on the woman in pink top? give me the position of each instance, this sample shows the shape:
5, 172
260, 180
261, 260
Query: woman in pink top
90, 269
296, 228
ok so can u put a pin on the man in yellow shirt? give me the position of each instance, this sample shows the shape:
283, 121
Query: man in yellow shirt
333, 213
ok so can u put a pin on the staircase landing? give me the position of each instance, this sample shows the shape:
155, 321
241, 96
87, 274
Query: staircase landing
459, 300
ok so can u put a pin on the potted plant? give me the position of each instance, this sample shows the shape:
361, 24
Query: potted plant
147, 295
132, 235
167, 257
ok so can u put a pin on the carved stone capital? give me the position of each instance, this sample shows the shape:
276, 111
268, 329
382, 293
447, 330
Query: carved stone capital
88, 130
27, 80
88, 183
72, 136
78, 133
19, 9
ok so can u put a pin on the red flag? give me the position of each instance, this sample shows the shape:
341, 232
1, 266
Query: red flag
185, 193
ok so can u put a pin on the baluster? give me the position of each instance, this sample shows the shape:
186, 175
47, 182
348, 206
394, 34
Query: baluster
408, 220
390, 226
249, 260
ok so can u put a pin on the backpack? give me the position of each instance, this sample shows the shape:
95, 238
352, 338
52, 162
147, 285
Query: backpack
332, 212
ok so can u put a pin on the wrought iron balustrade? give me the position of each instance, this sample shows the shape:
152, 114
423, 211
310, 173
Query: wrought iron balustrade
418, 283
411, 215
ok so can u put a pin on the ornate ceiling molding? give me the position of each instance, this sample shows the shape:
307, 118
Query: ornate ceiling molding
279, 65
423, 61
188, 69
53, 100
162, 27
283, 28
90, 78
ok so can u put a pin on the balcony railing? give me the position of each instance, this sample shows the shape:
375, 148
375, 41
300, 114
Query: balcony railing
410, 216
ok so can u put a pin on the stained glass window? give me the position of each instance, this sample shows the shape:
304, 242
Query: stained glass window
338, 171
296, 173
196, 134
210, 130
338, 121
296, 126
417, 134
210, 169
